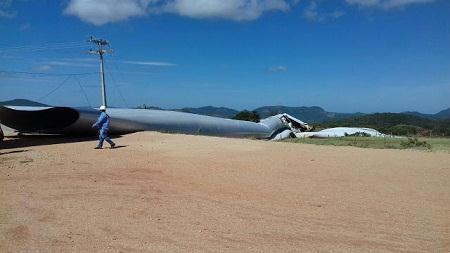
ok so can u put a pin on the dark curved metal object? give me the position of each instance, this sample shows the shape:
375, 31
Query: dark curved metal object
48, 119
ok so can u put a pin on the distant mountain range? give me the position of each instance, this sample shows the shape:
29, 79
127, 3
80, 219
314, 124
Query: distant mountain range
444, 114
312, 114
221, 112
22, 102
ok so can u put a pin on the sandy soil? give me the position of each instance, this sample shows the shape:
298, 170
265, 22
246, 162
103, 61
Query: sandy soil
178, 193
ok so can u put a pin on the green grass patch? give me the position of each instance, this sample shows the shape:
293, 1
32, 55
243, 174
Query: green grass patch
427, 144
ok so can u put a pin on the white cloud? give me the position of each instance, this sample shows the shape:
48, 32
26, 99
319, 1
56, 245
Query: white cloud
5, 9
70, 64
386, 4
44, 68
312, 13
278, 69
149, 63
100, 12
90, 63
364, 3
93, 59
238, 10
6, 14
400, 3
25, 27
47, 66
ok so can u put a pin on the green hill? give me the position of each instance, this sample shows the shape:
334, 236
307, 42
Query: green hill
395, 123
310, 114
423, 115
444, 114
221, 112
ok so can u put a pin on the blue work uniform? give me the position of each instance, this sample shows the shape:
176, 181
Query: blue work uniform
102, 124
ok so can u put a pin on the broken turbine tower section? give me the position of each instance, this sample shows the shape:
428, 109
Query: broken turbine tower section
78, 121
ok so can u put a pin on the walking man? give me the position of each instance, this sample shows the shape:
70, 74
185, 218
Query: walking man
103, 125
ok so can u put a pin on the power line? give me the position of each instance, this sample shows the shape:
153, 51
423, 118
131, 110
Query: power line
47, 74
62, 83
41, 49
45, 44
56, 46
82, 89
55, 89
117, 86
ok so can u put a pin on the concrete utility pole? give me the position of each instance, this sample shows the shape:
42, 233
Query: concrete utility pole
101, 43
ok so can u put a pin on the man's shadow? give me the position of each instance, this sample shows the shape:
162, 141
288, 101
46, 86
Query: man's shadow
120, 146
13, 152
31, 140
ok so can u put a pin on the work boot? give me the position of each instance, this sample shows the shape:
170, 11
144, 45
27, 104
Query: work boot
98, 147
113, 145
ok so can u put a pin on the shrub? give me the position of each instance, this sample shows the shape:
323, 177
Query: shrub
414, 142
247, 116
405, 130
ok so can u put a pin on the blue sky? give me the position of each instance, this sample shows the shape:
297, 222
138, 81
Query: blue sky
342, 55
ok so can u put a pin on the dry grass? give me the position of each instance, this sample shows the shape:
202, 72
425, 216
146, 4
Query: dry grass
426, 144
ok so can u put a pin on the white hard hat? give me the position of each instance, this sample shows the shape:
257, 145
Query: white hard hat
102, 108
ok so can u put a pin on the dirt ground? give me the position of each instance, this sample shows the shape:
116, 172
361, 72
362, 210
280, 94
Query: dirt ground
179, 193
